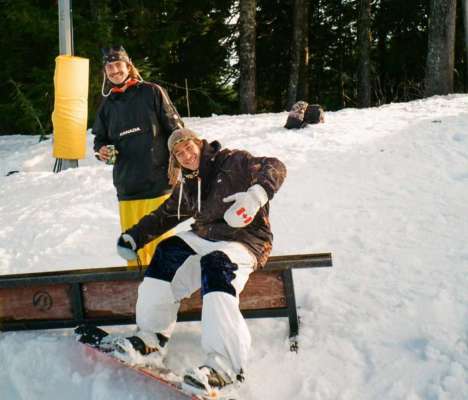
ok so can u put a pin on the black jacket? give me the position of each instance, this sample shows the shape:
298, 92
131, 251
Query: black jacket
138, 123
222, 173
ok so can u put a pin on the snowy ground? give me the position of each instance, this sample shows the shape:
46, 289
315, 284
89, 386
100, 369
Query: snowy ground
384, 189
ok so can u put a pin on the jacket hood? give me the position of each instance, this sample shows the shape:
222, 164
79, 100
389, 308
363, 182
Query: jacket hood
208, 157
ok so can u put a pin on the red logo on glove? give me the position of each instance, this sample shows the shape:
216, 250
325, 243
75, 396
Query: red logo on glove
241, 212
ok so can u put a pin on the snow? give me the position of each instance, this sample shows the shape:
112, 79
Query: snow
384, 189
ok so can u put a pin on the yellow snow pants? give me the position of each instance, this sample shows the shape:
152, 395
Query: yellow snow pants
131, 211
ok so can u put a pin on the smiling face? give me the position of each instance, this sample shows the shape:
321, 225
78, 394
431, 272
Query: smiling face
187, 154
117, 72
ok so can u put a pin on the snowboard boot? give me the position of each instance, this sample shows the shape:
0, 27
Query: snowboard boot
90, 334
143, 343
213, 376
205, 378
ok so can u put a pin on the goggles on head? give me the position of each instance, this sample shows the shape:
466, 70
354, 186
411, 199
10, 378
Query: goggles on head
115, 53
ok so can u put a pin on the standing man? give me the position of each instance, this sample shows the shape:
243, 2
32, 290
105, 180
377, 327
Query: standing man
131, 130
227, 192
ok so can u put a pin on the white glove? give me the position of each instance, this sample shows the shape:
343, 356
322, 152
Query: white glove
126, 247
246, 206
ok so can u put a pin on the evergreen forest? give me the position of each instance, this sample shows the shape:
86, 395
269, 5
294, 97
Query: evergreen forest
193, 48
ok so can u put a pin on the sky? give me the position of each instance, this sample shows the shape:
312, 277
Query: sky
384, 189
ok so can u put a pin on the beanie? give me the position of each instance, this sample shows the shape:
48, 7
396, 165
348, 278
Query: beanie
114, 53
180, 135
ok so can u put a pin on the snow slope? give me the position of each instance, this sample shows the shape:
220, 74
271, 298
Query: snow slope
384, 189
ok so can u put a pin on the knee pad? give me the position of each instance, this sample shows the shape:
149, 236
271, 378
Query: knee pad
218, 272
169, 256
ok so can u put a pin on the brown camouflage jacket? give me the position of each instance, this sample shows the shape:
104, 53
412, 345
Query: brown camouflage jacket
222, 172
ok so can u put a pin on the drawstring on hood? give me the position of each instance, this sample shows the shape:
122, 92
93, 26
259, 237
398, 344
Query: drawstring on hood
181, 190
177, 174
199, 194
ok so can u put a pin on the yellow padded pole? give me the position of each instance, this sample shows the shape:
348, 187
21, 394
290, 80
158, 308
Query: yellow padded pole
70, 115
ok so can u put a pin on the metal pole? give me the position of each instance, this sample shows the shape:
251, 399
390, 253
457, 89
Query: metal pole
65, 28
66, 48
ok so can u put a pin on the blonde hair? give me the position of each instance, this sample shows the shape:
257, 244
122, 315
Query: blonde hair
133, 72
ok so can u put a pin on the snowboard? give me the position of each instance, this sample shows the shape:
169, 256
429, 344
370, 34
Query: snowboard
168, 385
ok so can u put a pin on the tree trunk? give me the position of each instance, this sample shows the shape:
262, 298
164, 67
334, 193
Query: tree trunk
303, 90
380, 90
364, 85
341, 58
247, 62
465, 23
441, 48
297, 47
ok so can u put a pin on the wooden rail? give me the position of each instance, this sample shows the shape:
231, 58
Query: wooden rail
107, 296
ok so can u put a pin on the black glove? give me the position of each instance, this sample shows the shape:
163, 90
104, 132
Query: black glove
126, 247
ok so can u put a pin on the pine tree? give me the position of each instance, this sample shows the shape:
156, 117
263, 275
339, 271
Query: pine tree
247, 56
441, 45
297, 52
364, 43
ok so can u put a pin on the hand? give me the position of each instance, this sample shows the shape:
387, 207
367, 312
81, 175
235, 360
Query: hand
246, 206
103, 154
126, 247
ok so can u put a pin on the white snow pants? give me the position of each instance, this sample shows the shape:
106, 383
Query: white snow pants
224, 331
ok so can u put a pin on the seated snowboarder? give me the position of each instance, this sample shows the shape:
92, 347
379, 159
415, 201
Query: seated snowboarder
227, 192
302, 114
